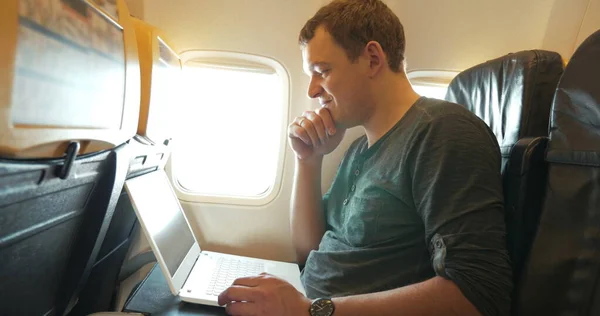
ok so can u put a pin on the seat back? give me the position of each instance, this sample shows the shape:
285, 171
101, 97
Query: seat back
563, 269
66, 112
512, 94
50, 227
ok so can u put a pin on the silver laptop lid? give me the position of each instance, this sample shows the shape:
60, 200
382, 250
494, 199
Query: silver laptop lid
165, 226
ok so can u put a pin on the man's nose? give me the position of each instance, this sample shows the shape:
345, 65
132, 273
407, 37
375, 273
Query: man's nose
314, 88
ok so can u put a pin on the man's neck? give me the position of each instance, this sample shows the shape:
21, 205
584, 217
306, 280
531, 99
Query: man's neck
394, 99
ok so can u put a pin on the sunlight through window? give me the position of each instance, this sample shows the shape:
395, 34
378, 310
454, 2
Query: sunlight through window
230, 131
437, 92
431, 83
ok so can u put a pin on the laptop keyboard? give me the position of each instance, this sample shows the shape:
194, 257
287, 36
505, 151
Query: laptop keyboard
228, 269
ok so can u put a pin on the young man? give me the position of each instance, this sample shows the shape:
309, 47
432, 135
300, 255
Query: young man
413, 223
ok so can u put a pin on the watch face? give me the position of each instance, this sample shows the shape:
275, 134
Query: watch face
321, 307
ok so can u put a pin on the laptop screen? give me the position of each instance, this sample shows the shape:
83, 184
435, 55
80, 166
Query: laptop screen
161, 214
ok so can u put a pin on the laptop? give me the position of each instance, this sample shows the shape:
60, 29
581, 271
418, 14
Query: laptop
196, 276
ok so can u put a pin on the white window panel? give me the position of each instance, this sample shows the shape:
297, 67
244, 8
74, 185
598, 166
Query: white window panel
231, 130
431, 83
431, 91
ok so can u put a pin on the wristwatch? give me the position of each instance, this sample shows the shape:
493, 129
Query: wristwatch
321, 307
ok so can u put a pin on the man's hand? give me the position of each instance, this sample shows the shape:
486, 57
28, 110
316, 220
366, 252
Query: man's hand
264, 295
314, 134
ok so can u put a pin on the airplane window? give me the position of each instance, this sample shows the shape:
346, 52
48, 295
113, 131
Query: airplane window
437, 92
229, 130
431, 83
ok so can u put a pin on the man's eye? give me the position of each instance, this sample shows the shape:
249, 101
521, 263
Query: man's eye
324, 72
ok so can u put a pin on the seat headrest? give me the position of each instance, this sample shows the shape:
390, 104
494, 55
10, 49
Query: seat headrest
575, 121
512, 94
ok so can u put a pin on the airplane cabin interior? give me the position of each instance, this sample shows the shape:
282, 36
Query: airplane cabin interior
99, 95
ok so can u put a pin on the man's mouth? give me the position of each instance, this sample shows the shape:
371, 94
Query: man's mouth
325, 102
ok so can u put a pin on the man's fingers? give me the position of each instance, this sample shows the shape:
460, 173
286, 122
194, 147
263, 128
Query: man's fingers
299, 132
242, 309
313, 128
237, 293
319, 127
328, 122
250, 281
308, 126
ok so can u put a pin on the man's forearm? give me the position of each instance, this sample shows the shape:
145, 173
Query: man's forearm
307, 220
436, 296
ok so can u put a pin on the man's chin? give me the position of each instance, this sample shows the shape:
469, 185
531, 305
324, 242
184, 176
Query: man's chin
342, 123
339, 124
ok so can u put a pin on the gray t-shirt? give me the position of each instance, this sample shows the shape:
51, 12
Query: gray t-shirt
424, 200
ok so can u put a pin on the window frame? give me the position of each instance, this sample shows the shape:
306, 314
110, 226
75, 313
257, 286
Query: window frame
275, 189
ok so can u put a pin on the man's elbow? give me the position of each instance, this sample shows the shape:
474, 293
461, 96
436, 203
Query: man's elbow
460, 305
301, 258
302, 252
304, 244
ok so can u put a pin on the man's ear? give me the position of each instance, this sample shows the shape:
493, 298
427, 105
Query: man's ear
376, 57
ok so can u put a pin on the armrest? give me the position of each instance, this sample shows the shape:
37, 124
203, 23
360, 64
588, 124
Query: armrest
524, 191
526, 154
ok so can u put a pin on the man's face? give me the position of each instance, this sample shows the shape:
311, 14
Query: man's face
340, 85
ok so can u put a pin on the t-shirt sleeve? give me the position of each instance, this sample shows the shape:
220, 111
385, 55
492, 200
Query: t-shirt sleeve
457, 189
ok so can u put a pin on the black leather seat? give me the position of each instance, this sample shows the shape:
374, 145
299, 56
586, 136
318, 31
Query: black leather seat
52, 227
562, 276
63, 157
512, 94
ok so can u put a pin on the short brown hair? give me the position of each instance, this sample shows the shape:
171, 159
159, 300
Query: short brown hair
353, 23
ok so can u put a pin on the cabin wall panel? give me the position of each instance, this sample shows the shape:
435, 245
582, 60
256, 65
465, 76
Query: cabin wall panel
458, 34
136, 8
563, 26
590, 23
